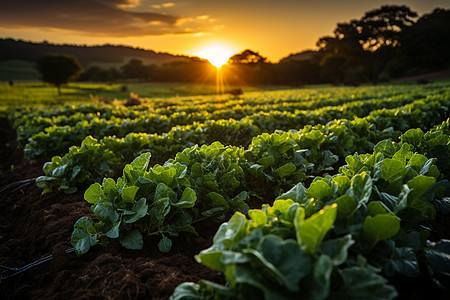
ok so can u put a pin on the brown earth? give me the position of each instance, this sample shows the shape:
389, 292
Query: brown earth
34, 226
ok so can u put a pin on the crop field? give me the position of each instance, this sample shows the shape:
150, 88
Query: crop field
312, 193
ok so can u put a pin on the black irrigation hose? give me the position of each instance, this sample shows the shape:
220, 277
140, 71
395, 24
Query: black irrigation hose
7, 272
17, 185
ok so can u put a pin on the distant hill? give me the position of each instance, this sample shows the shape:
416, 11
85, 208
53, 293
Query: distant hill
13, 52
304, 55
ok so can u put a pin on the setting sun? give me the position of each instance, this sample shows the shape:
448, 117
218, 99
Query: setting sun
217, 55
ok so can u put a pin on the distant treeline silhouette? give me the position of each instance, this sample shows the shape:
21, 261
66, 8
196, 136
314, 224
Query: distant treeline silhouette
386, 43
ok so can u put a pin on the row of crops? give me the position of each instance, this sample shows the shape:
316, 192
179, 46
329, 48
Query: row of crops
348, 180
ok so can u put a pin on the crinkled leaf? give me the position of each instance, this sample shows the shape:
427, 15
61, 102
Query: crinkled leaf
141, 162
187, 199
129, 193
392, 169
285, 170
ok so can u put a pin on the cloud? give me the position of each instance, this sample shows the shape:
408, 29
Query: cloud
117, 18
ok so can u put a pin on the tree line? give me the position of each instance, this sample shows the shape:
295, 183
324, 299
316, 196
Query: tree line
389, 42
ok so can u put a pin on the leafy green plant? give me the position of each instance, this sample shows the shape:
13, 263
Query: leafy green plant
342, 237
200, 184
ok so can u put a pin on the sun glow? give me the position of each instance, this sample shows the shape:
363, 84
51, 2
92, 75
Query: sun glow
216, 55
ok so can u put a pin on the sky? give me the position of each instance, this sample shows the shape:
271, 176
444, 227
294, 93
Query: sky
274, 28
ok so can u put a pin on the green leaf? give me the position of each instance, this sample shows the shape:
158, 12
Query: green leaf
188, 199
392, 169
132, 240
343, 183
402, 261
163, 208
259, 218
280, 207
380, 227
285, 170
129, 193
403, 154
320, 191
105, 212
320, 288
139, 209
218, 204
211, 260
232, 231
84, 235
59, 171
315, 135
361, 188
186, 291
428, 166
313, 230
141, 162
337, 249
163, 191
285, 256
93, 193
364, 283
165, 244
266, 161
297, 193
387, 147
419, 185
109, 186
376, 207
417, 161
346, 205
412, 136
113, 233
438, 257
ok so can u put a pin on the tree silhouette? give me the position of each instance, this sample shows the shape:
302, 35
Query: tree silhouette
136, 69
371, 42
58, 69
380, 31
426, 45
247, 57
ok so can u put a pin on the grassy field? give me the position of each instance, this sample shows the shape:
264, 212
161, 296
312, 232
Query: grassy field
38, 93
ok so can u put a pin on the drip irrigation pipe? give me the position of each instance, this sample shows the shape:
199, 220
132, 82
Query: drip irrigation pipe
8, 272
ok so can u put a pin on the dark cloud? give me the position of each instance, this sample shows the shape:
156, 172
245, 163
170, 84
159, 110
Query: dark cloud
93, 17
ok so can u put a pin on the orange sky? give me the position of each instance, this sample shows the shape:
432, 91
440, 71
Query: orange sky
274, 28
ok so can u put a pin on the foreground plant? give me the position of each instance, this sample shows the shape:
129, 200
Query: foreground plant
163, 200
341, 238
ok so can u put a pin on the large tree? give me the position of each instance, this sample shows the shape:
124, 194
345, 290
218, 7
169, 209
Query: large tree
58, 69
371, 41
426, 45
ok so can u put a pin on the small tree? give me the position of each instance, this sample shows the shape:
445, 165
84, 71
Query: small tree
58, 69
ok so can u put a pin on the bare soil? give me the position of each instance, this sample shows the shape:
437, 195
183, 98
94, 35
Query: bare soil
34, 226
